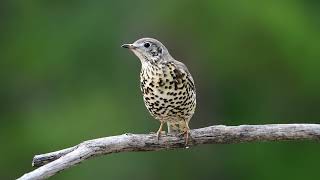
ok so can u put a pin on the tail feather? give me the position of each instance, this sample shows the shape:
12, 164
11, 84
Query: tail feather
177, 127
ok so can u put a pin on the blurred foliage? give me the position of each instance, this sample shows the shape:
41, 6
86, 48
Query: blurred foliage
65, 79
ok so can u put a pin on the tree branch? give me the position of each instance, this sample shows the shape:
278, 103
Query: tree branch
54, 162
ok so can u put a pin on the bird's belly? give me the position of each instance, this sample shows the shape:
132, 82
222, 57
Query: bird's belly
169, 103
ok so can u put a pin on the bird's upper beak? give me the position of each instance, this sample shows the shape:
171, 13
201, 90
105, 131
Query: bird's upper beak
129, 46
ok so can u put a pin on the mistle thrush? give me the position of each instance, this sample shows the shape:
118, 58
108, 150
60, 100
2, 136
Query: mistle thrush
167, 86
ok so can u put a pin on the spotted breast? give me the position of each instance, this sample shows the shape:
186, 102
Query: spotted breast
167, 86
169, 94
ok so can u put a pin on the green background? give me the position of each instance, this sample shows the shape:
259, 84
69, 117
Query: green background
65, 79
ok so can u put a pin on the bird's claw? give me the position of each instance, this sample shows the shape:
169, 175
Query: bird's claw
159, 133
186, 135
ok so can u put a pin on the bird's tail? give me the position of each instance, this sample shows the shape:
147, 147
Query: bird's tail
177, 127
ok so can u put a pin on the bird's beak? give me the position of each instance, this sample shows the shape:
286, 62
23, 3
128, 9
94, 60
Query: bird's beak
129, 46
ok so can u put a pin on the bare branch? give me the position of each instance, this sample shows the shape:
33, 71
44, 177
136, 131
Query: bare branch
54, 162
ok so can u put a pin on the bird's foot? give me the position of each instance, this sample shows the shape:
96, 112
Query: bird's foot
186, 135
160, 130
159, 133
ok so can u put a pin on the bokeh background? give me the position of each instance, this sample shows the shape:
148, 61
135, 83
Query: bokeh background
64, 79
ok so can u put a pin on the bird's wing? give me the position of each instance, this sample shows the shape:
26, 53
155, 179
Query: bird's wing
180, 68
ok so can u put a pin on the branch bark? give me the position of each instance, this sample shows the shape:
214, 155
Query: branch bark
54, 162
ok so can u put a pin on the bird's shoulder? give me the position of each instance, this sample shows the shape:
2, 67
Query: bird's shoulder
181, 71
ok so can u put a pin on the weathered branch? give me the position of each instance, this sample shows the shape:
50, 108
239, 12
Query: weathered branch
54, 162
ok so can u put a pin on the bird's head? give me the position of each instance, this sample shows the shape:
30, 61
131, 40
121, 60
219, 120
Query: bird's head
148, 50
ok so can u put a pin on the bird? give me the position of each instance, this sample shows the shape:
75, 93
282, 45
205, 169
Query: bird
167, 86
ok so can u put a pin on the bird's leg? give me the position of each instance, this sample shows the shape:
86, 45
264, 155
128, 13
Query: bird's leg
186, 133
160, 129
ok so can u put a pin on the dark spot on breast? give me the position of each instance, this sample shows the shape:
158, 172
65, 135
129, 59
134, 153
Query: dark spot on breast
149, 89
161, 83
175, 86
173, 112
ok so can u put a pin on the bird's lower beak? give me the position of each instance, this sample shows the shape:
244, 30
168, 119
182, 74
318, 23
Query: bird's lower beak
129, 46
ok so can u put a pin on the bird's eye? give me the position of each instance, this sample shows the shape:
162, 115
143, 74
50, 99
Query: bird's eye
146, 45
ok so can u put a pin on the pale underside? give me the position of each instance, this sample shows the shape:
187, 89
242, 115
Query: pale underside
168, 93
